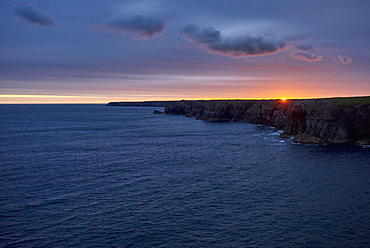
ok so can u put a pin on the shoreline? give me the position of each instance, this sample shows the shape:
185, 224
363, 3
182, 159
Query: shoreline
307, 121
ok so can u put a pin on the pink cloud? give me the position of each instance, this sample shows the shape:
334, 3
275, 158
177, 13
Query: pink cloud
342, 59
306, 56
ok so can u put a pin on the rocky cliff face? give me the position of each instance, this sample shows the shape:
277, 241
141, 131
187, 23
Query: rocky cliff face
308, 121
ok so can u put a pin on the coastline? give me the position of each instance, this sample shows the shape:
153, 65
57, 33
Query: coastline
308, 121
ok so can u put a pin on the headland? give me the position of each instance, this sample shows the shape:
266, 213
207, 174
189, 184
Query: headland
309, 121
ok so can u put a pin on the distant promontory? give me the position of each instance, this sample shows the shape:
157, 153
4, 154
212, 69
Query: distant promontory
310, 121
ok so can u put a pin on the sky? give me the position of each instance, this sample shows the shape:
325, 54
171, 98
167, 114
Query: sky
94, 51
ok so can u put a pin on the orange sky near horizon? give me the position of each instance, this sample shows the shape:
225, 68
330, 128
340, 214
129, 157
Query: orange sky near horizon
81, 99
179, 87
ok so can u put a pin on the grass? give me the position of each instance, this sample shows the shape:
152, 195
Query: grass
345, 101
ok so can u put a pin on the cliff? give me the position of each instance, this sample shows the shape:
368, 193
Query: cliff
138, 104
318, 121
314, 121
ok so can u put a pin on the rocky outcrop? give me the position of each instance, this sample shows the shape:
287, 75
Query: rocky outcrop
157, 112
308, 121
137, 104
313, 121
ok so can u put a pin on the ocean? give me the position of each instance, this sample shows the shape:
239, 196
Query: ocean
97, 176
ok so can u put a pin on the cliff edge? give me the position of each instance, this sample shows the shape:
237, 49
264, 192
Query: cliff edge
313, 121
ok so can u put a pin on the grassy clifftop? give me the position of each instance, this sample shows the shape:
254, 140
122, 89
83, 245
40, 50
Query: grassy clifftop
344, 101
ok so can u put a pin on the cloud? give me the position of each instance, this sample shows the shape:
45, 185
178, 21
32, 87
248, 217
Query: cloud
306, 56
142, 26
342, 59
29, 13
202, 35
303, 47
236, 46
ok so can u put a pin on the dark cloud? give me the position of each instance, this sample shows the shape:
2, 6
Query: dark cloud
306, 56
237, 46
32, 15
143, 26
248, 46
202, 35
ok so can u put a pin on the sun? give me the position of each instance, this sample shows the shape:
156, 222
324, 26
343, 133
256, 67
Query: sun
283, 99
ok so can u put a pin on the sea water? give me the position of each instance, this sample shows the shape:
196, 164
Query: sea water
96, 176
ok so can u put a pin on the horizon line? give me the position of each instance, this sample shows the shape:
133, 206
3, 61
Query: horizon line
196, 99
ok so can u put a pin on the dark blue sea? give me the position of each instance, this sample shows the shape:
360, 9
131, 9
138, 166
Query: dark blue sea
96, 176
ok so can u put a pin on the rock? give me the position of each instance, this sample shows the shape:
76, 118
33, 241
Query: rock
157, 112
363, 142
307, 139
285, 136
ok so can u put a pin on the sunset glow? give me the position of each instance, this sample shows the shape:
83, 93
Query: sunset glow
213, 50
